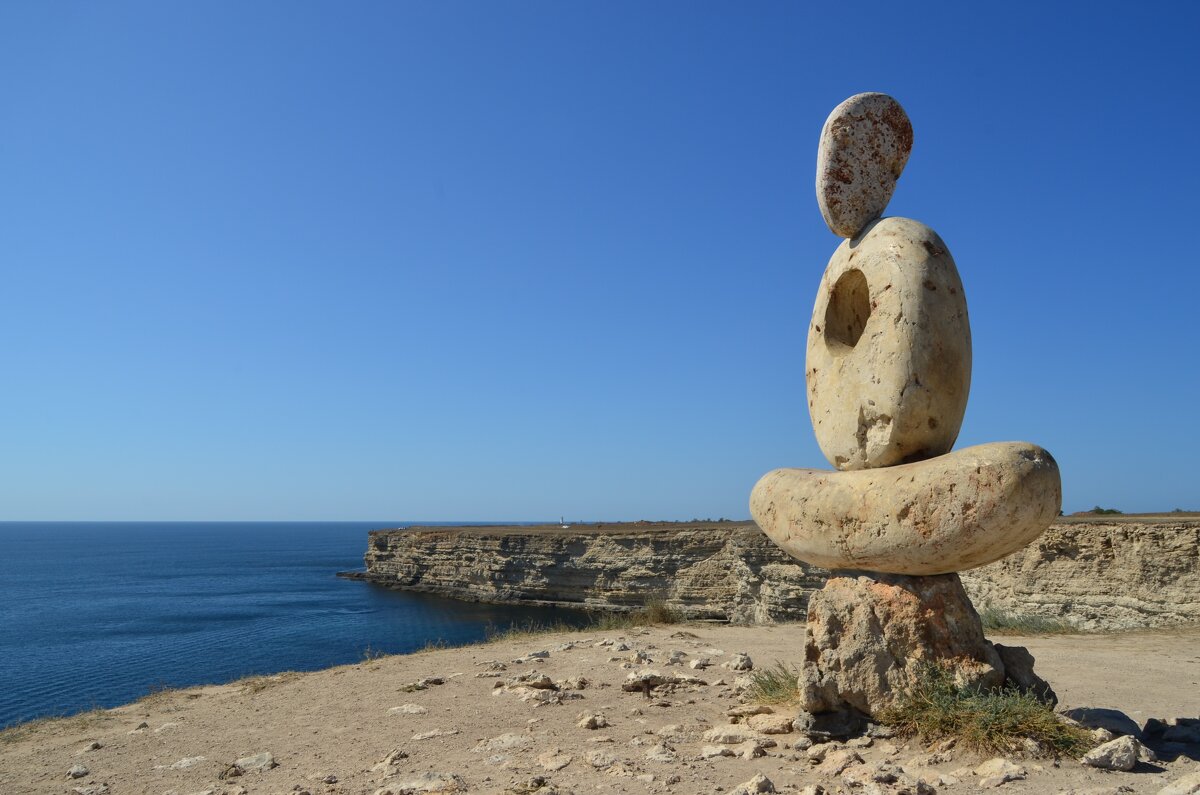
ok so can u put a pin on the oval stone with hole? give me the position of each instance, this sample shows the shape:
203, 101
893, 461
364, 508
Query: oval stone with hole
888, 365
864, 145
950, 513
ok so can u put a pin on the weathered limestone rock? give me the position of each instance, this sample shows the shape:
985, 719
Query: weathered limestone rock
950, 513
869, 638
864, 145
889, 349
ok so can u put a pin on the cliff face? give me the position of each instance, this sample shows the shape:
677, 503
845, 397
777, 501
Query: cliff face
1099, 574
727, 571
1095, 574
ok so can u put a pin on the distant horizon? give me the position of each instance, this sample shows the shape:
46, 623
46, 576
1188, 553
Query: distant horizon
1086, 511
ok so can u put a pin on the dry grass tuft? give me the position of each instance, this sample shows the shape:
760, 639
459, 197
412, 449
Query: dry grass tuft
70, 724
989, 722
776, 684
999, 622
257, 684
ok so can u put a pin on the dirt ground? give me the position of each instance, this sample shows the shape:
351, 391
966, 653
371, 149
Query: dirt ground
371, 727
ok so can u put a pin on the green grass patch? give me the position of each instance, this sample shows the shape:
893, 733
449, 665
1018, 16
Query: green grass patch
994, 722
1001, 622
776, 684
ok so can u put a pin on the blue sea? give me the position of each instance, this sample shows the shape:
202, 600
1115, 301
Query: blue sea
100, 614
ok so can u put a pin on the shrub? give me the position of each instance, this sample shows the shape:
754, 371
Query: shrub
995, 722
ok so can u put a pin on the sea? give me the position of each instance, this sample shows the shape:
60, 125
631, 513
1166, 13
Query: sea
100, 614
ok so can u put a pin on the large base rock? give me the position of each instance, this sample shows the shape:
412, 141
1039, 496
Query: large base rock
870, 636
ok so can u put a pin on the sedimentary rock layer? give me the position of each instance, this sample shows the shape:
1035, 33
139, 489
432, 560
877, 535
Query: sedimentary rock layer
727, 571
1096, 573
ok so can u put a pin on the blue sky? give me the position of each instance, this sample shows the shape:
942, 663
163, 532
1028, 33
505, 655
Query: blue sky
471, 261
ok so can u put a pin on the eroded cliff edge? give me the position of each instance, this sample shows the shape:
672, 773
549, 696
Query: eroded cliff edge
1096, 573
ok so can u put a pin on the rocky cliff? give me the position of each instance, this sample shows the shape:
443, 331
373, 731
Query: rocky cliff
1097, 574
1100, 573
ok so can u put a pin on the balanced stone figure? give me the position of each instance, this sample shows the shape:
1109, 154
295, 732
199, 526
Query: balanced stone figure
888, 371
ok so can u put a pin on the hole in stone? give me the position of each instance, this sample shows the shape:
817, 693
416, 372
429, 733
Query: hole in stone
848, 310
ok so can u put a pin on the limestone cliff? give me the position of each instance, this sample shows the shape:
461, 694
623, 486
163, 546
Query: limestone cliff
1100, 573
722, 570
1096, 573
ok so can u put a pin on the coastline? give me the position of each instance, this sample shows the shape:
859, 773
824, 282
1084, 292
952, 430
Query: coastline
373, 727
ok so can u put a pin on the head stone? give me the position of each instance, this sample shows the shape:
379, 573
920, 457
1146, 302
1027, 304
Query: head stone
864, 145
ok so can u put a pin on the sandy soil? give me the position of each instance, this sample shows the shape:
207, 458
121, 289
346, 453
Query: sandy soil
332, 731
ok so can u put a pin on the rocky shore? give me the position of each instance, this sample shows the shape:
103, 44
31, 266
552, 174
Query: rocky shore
1096, 573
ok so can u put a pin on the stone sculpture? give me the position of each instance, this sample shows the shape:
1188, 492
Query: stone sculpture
888, 370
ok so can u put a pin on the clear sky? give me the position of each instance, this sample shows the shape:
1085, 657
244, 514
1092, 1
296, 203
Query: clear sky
517, 260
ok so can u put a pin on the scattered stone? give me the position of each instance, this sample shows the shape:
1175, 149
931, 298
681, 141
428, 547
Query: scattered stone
1119, 754
600, 760
536, 680
77, 771
434, 733
997, 771
186, 762
835, 762
505, 742
330, 779
538, 784
713, 751
585, 720
256, 762
554, 760
647, 680
699, 664
751, 749
92, 746
426, 783
816, 753
758, 784
771, 724
661, 753
141, 727
408, 709
1188, 785
729, 735
740, 661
